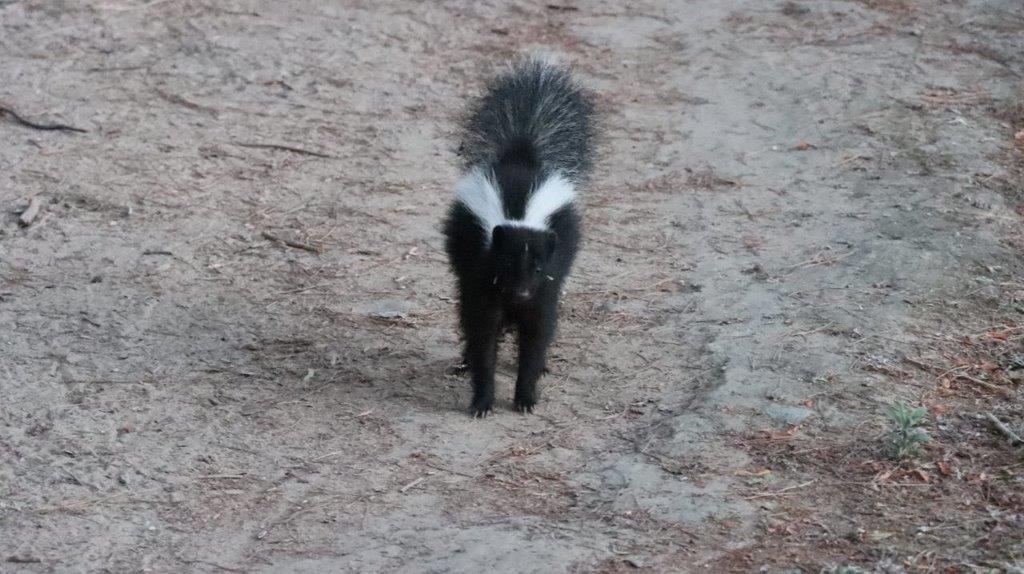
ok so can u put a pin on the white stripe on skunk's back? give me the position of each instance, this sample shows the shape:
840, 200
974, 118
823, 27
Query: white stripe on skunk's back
477, 192
480, 196
555, 193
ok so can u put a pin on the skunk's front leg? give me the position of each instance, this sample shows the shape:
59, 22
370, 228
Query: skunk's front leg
535, 334
480, 327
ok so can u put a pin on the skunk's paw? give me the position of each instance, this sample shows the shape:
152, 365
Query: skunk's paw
524, 405
480, 408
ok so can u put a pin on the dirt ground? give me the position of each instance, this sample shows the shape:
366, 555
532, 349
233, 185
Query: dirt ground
227, 338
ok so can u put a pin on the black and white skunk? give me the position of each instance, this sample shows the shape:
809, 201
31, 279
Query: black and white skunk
513, 231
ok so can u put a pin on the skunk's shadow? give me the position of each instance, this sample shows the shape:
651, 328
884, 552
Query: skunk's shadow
344, 373
292, 359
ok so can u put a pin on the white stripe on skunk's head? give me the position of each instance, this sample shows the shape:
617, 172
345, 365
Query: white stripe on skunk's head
479, 193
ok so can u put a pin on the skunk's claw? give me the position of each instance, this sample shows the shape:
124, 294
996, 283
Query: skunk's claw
524, 406
480, 409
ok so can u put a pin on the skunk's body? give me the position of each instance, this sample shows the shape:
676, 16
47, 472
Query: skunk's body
513, 230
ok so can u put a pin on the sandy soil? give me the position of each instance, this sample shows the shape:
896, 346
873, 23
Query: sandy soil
804, 210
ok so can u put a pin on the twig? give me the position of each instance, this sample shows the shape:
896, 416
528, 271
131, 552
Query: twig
31, 212
103, 382
285, 148
453, 471
303, 289
20, 120
818, 260
780, 492
215, 565
328, 455
1013, 437
15, 559
116, 69
994, 388
921, 365
411, 484
292, 243
176, 99
854, 158
940, 374
809, 332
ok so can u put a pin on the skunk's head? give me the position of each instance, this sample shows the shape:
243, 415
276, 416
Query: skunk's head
521, 255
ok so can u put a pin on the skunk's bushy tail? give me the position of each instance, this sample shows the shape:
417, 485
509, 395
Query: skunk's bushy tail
536, 109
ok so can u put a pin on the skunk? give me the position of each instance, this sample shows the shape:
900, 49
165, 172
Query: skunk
513, 230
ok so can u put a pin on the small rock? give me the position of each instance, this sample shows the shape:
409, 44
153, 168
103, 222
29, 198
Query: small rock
31, 212
786, 415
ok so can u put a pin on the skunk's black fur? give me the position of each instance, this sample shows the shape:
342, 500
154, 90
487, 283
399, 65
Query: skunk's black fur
532, 123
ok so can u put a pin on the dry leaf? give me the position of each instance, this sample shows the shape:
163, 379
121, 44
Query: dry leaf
977, 479
989, 366
671, 286
782, 528
776, 435
922, 475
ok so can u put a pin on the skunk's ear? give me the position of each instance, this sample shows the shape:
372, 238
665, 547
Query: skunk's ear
497, 236
551, 242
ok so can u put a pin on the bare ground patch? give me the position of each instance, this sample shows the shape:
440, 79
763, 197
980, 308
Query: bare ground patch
227, 325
